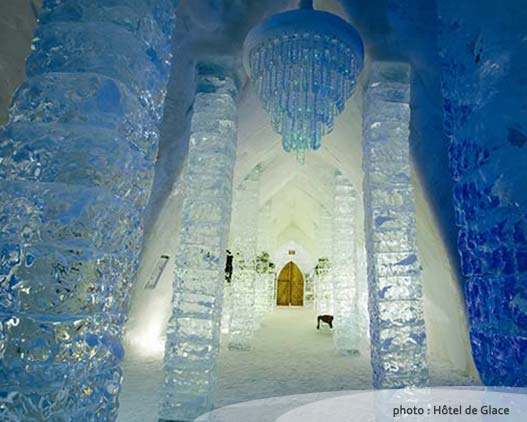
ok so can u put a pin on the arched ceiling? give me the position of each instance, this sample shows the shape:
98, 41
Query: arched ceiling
297, 193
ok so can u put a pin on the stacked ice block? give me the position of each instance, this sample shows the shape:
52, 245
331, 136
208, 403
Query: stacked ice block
244, 232
194, 327
77, 166
397, 329
264, 287
324, 276
345, 288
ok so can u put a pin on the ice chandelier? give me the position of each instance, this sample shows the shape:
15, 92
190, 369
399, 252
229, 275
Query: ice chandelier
304, 65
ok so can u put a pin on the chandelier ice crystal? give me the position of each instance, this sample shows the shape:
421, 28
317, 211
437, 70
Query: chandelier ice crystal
304, 65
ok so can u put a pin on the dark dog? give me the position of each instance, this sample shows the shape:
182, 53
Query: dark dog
328, 319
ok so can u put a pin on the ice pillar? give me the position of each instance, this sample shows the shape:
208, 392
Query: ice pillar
193, 332
244, 232
77, 165
323, 271
397, 329
483, 67
345, 292
265, 274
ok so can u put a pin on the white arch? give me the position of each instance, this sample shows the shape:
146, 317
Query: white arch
302, 258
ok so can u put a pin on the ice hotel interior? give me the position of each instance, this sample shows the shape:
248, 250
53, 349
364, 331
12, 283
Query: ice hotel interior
213, 202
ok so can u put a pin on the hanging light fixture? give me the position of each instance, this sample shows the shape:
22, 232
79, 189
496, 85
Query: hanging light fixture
304, 65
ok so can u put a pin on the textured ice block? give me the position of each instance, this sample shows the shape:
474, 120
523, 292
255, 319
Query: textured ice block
59, 279
49, 213
243, 243
483, 84
75, 173
149, 21
91, 48
62, 153
85, 99
398, 340
263, 295
345, 284
324, 294
193, 333
264, 284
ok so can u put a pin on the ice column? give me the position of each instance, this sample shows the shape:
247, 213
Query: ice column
265, 275
226, 309
345, 292
398, 340
193, 332
76, 171
483, 68
263, 294
323, 271
244, 232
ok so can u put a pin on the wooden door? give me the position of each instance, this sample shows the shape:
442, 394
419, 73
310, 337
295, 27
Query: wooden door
290, 286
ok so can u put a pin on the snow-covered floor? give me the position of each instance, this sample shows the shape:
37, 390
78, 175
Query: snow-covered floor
289, 356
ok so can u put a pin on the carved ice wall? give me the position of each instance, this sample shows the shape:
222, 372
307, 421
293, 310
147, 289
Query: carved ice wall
483, 69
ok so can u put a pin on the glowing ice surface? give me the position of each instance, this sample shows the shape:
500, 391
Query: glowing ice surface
323, 274
398, 339
76, 172
194, 327
483, 82
345, 287
244, 232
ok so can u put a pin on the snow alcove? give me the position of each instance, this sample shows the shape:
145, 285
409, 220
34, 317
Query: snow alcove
212, 202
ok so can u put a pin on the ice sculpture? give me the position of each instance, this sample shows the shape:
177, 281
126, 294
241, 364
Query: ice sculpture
398, 339
244, 232
323, 273
345, 292
483, 82
193, 332
76, 172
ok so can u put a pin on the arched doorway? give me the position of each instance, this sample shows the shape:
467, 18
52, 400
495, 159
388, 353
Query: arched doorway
290, 286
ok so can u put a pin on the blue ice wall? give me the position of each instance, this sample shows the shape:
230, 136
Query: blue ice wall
76, 171
483, 56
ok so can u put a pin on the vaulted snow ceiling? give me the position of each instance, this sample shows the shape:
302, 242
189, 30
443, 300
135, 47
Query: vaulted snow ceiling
390, 30
296, 192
